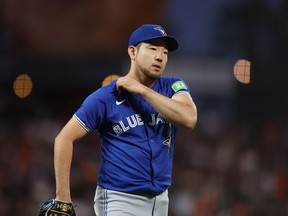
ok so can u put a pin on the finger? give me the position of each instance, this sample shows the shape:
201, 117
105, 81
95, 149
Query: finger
119, 88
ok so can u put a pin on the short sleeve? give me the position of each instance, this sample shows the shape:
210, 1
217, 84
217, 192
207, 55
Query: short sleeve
92, 111
178, 86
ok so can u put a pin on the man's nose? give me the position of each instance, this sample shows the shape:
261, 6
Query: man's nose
159, 56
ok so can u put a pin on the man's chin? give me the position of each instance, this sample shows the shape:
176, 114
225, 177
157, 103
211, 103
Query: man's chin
154, 75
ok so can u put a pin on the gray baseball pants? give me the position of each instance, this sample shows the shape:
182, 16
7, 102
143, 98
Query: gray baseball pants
115, 203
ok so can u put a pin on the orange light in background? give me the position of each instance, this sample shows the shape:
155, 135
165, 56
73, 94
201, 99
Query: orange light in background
109, 79
242, 71
23, 86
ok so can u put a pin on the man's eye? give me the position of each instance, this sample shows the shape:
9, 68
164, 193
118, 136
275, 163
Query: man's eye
153, 48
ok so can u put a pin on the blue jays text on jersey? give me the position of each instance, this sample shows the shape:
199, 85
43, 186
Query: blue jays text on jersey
136, 120
137, 143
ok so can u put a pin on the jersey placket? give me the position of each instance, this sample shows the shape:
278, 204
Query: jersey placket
146, 111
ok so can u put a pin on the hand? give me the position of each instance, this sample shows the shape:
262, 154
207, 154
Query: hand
129, 84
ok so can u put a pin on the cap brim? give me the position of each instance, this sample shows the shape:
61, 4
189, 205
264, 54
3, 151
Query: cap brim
172, 42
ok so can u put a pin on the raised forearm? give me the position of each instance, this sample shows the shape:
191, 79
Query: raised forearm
175, 111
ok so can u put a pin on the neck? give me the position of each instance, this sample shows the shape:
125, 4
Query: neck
141, 78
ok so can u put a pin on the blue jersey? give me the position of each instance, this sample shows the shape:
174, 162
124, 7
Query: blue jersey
137, 143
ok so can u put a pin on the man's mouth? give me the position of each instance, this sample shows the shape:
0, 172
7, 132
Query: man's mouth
157, 66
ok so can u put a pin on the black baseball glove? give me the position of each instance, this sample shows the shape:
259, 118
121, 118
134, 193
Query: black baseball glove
55, 206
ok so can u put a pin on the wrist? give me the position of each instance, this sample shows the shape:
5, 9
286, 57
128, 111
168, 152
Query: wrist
63, 197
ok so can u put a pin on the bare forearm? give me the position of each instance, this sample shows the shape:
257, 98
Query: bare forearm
180, 110
62, 164
176, 112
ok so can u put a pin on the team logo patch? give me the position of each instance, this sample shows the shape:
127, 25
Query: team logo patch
179, 85
161, 30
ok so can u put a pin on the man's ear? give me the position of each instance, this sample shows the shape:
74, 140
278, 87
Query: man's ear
132, 52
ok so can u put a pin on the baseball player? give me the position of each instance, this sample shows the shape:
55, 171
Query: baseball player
137, 116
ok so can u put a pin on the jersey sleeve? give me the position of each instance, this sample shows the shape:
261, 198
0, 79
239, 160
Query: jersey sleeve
178, 86
92, 111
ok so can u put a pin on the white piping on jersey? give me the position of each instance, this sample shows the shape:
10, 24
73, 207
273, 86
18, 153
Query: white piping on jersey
183, 92
81, 123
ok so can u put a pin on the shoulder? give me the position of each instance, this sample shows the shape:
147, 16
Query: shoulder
104, 93
175, 83
169, 80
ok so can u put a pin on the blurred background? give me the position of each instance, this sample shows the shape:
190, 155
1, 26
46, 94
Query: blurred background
235, 161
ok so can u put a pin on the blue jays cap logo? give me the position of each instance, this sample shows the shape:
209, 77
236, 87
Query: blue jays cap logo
150, 31
161, 30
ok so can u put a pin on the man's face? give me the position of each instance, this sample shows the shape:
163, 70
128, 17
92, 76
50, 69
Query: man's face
151, 58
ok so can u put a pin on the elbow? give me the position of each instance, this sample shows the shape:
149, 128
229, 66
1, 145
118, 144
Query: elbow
57, 139
191, 118
192, 125
62, 145
191, 122
57, 142
61, 140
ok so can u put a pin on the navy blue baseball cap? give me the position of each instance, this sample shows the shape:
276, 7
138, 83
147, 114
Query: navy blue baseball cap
150, 31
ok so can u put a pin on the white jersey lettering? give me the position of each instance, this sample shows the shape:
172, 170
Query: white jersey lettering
124, 128
136, 120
